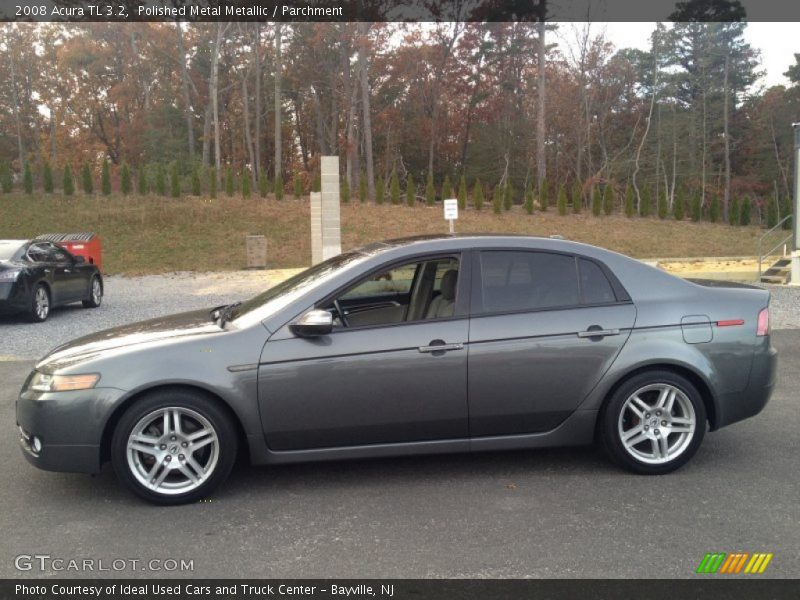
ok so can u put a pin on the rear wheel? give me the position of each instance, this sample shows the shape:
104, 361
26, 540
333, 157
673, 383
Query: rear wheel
654, 423
40, 304
95, 293
173, 447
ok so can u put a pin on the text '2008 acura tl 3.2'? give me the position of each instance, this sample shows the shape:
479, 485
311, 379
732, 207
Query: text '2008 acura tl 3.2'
422, 345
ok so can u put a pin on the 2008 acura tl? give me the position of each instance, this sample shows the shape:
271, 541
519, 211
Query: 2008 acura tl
422, 345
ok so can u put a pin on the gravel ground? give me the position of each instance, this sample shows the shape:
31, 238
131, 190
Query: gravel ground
129, 299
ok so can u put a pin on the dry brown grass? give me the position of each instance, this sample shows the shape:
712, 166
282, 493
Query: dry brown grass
156, 235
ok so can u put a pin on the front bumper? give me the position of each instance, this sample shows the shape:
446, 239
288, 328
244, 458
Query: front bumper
69, 426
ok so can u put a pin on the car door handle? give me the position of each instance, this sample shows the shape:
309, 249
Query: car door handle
440, 346
592, 333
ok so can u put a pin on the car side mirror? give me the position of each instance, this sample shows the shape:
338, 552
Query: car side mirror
312, 324
79, 260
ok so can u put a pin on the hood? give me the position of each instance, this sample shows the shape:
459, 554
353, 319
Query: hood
171, 327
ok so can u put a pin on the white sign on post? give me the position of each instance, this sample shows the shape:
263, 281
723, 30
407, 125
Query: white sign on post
451, 211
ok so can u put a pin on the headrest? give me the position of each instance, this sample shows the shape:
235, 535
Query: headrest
449, 280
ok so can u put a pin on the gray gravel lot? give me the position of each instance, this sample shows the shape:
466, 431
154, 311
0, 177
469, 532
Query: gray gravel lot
130, 299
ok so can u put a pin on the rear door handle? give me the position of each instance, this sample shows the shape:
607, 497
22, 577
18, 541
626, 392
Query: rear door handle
599, 333
440, 346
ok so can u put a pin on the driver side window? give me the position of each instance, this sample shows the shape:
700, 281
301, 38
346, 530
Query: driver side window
414, 291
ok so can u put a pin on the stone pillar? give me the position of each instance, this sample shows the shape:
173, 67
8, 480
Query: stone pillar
316, 227
331, 222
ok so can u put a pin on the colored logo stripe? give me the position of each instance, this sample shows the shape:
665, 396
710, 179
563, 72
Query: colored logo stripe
758, 563
720, 562
711, 562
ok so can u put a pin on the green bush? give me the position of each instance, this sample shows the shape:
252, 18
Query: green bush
263, 184
734, 211
544, 198
508, 195
6, 180
344, 190
316, 184
394, 188
561, 200
174, 181
362, 188
477, 195
447, 188
125, 179
279, 187
597, 202
47, 178
577, 197
608, 199
630, 204
663, 206
786, 209
713, 209
697, 206
87, 181
197, 187
246, 181
528, 205
462, 193
430, 191
411, 191
772, 212
679, 205
645, 202
497, 199
105, 179
380, 190
745, 213
229, 186
69, 181
297, 186
142, 182
212, 182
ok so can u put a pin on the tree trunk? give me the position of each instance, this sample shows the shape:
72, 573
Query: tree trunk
248, 138
725, 118
214, 93
541, 159
348, 93
257, 90
365, 107
17, 117
278, 99
187, 103
207, 134
647, 127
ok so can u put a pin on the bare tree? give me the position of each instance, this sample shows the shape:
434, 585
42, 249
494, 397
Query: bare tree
363, 29
541, 157
278, 98
187, 103
213, 91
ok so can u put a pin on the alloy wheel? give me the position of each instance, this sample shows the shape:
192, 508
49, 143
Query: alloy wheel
42, 303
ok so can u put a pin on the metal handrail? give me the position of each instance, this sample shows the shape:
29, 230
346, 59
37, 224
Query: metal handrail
763, 255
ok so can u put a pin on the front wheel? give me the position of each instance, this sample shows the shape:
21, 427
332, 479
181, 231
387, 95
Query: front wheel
173, 447
654, 423
40, 304
95, 293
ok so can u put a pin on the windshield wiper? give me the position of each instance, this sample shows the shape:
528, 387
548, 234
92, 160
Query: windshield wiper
224, 313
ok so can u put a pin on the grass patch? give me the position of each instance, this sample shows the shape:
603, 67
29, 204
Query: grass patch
157, 235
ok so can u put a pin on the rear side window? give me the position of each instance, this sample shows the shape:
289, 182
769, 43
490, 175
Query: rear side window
595, 287
517, 281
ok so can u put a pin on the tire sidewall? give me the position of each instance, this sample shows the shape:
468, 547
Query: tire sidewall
33, 315
90, 303
208, 408
609, 432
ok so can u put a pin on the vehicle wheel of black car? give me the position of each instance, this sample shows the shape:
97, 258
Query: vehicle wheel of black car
95, 294
654, 423
40, 304
173, 447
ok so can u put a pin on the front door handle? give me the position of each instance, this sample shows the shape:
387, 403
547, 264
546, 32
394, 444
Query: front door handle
440, 346
596, 332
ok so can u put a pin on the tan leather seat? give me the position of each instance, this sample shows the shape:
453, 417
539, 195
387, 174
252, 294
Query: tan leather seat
444, 304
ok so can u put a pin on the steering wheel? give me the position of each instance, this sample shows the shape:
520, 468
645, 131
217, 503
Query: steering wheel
339, 310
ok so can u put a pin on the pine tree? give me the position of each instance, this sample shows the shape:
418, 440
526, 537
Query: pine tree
297, 186
630, 208
105, 180
430, 191
125, 179
508, 196
411, 191
734, 212
497, 199
772, 212
380, 190
646, 203
544, 199
87, 182
263, 184
477, 195
174, 181
608, 199
447, 188
197, 187
316, 185
462, 193
344, 190
597, 201
279, 187
713, 209
6, 181
394, 188
27, 179
561, 201
745, 213
362, 188
47, 178
246, 180
663, 207
577, 197
679, 205
697, 206
529, 199
212, 182
69, 181
229, 187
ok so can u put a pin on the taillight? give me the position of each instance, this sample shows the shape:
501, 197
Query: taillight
763, 322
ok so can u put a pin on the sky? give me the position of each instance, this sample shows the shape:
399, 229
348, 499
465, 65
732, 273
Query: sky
778, 42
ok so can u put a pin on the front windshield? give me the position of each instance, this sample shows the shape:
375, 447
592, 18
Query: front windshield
274, 299
9, 249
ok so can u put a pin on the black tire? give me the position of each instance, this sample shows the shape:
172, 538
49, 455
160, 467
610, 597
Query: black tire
613, 422
188, 403
38, 313
94, 300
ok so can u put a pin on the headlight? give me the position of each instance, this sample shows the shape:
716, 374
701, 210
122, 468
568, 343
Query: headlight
43, 382
9, 275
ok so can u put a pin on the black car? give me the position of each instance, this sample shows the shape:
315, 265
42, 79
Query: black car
37, 275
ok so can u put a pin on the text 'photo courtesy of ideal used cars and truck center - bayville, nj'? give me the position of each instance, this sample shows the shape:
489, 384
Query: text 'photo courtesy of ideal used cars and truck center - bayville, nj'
399, 299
